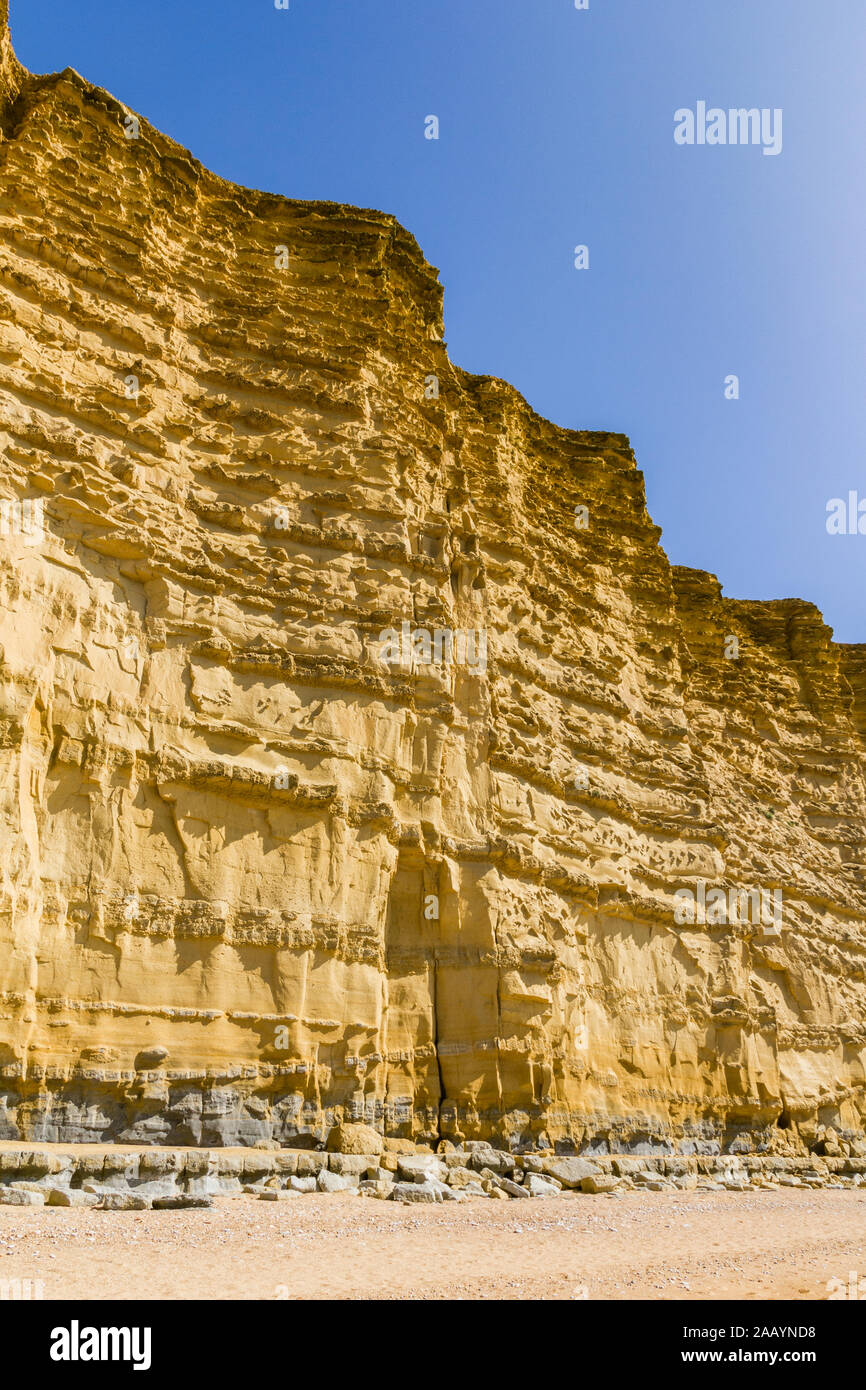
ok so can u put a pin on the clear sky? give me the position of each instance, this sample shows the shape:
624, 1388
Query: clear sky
557, 129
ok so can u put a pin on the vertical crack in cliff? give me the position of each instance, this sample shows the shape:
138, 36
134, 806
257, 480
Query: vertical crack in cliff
436, 1045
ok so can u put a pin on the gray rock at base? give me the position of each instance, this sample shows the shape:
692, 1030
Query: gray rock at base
304, 1184
514, 1189
599, 1183
285, 1163
352, 1165
182, 1200
421, 1168
461, 1177
217, 1184
122, 1201
157, 1188
540, 1187
335, 1182
70, 1197
376, 1174
492, 1159
532, 1163
417, 1192
153, 1166
207, 1186
309, 1164
380, 1188
570, 1172
18, 1197
446, 1193
34, 1165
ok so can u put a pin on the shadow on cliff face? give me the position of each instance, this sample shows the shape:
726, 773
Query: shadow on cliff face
411, 1022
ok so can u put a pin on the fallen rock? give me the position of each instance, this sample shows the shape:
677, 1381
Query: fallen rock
495, 1162
352, 1165
379, 1188
461, 1177
182, 1200
599, 1183
514, 1189
446, 1193
399, 1146
532, 1163
415, 1192
355, 1139
376, 1174
307, 1184
70, 1197
309, 1164
122, 1201
421, 1167
16, 1197
538, 1186
570, 1172
335, 1182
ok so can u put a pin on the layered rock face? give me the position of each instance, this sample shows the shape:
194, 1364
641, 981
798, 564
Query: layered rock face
356, 734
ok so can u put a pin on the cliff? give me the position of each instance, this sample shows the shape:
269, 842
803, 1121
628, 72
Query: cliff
268, 864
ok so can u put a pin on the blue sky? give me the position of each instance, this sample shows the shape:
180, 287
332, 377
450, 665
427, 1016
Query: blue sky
556, 129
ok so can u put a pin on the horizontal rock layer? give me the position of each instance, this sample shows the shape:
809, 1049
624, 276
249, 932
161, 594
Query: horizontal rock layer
118, 1178
257, 880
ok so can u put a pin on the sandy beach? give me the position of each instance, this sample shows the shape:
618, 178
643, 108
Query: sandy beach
662, 1246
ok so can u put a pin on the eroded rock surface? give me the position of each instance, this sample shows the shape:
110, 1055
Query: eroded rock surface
257, 881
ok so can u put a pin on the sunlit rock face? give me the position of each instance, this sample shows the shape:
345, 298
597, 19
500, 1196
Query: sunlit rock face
359, 746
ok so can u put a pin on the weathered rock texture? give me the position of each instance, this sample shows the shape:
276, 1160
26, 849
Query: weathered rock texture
224, 819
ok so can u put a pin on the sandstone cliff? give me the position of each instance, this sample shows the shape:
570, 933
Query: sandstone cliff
257, 879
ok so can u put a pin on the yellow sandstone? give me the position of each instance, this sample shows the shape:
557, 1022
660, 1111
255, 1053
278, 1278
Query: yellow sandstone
356, 733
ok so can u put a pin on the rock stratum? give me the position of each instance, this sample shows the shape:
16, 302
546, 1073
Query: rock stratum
257, 880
